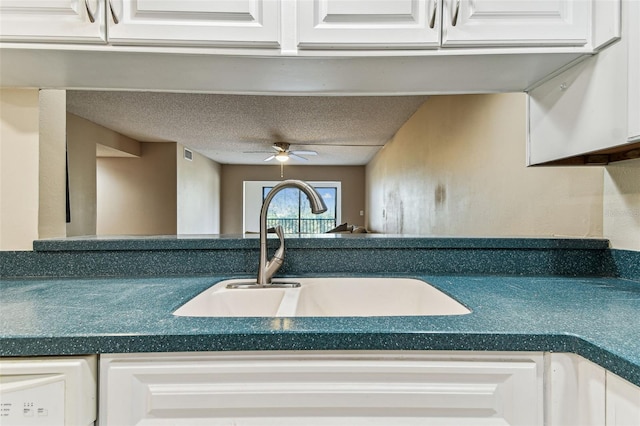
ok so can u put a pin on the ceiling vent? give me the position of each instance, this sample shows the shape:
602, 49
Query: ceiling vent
188, 154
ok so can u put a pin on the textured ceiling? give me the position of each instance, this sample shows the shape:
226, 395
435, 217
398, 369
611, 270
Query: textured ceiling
343, 130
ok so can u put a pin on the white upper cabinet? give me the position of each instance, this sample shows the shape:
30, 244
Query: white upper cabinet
55, 21
516, 23
634, 73
301, 46
373, 24
315, 24
447, 23
580, 111
587, 114
243, 23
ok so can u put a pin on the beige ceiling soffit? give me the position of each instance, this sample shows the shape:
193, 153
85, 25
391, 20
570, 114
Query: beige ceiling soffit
101, 135
103, 151
119, 142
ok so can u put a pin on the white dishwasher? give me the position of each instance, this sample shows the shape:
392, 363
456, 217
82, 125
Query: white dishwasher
51, 391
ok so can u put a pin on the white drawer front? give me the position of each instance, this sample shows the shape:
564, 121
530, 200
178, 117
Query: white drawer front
332, 389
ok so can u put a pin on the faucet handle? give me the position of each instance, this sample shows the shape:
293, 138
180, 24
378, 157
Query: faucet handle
272, 266
280, 252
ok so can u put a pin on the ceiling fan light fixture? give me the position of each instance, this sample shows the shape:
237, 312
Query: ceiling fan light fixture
282, 157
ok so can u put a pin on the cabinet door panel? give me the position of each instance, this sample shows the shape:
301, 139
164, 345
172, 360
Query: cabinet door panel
322, 389
378, 24
516, 23
242, 23
55, 21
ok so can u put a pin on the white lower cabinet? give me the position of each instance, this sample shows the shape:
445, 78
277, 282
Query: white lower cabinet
322, 388
574, 391
623, 402
363, 388
579, 392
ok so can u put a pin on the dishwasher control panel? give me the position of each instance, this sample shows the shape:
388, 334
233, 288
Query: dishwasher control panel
48, 391
42, 404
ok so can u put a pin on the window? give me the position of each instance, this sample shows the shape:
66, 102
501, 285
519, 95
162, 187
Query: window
290, 208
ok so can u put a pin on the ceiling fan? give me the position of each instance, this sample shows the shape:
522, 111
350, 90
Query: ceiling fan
283, 153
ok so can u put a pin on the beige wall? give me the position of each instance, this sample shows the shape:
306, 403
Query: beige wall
83, 138
457, 168
52, 210
81, 148
622, 204
137, 196
233, 176
196, 188
19, 168
198, 208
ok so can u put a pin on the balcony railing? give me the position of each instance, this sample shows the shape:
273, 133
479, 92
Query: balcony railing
302, 226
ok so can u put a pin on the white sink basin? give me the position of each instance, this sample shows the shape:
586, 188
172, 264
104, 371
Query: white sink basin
325, 297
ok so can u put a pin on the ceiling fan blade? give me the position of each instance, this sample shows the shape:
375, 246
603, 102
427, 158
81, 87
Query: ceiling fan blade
303, 152
338, 144
256, 152
297, 157
270, 158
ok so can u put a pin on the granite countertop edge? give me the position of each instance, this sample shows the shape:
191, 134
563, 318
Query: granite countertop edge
323, 341
321, 241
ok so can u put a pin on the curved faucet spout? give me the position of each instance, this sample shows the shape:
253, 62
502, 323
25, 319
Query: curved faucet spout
267, 268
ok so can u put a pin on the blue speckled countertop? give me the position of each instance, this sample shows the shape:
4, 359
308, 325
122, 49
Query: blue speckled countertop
326, 253
596, 318
313, 241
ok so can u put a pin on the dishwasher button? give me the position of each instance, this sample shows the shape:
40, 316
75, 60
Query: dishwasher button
27, 410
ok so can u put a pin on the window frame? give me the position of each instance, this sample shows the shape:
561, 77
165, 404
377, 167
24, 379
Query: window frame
252, 202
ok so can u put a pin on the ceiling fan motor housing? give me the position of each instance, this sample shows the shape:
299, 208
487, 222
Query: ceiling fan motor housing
282, 146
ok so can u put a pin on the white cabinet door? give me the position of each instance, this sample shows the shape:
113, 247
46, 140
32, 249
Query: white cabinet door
623, 402
574, 391
581, 115
301, 388
516, 22
55, 21
634, 71
240, 23
579, 392
580, 111
386, 24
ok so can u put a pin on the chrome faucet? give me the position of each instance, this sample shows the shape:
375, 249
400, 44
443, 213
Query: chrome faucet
267, 268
